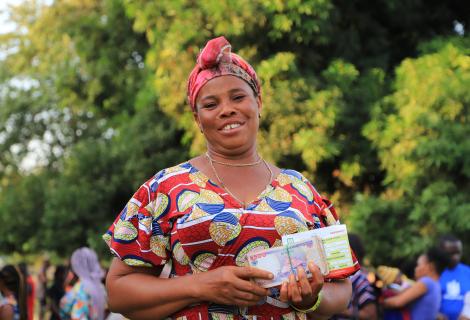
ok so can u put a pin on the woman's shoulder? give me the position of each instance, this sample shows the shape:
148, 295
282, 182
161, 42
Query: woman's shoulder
429, 282
292, 175
165, 177
297, 180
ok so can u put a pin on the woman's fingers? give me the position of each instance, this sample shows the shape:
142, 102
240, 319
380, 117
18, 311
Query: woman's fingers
243, 288
252, 272
304, 284
244, 283
317, 280
232, 285
284, 293
294, 290
302, 292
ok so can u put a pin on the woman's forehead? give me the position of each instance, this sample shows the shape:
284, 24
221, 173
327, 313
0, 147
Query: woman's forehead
221, 85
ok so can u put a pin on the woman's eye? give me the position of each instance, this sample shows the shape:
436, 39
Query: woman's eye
209, 105
238, 98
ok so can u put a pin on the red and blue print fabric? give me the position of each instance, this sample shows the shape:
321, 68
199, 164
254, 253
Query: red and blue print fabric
181, 216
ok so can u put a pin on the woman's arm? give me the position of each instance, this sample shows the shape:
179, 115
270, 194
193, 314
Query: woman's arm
140, 294
6, 312
335, 298
405, 297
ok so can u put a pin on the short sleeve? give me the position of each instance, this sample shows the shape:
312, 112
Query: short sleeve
322, 208
428, 282
139, 235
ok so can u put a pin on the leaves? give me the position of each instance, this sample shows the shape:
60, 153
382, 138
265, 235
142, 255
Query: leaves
368, 100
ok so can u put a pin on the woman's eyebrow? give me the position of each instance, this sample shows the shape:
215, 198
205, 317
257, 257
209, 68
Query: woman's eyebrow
209, 97
237, 90
231, 91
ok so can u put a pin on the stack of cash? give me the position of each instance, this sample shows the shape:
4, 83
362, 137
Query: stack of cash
327, 247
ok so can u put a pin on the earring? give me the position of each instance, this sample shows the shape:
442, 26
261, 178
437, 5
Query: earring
259, 115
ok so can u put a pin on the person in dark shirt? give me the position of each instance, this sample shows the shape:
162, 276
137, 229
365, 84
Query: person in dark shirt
56, 291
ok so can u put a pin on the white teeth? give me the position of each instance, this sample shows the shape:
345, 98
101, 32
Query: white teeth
231, 126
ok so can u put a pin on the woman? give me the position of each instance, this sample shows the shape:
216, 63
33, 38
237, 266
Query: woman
87, 298
204, 215
424, 297
13, 289
56, 291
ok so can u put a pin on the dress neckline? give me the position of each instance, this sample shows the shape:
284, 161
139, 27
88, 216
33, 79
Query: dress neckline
250, 203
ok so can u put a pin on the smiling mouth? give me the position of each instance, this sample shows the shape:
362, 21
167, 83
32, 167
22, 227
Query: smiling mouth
231, 126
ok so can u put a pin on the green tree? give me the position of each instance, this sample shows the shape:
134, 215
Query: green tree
421, 133
75, 85
366, 99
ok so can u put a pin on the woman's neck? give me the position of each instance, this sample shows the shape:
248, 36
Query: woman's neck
250, 155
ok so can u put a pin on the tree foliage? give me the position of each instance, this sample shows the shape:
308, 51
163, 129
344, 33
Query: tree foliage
421, 132
82, 128
368, 100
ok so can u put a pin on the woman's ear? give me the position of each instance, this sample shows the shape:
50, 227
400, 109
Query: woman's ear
260, 105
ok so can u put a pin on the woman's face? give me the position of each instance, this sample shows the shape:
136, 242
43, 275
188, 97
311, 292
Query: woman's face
423, 267
228, 115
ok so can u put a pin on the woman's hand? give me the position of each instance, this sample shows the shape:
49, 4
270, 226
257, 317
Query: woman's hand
231, 285
303, 293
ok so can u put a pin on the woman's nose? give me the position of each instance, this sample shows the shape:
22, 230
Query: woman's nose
227, 108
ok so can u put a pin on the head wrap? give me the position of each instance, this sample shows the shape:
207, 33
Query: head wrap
388, 274
86, 266
215, 60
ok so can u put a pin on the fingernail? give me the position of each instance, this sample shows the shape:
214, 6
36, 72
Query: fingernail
271, 276
311, 264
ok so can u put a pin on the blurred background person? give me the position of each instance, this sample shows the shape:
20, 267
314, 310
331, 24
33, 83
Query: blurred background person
56, 291
42, 287
455, 280
13, 288
424, 296
30, 289
363, 301
87, 298
391, 281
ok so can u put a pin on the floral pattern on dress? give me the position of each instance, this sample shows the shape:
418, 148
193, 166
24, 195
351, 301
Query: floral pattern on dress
77, 304
181, 217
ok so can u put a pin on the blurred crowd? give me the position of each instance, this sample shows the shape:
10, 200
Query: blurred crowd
439, 289
76, 290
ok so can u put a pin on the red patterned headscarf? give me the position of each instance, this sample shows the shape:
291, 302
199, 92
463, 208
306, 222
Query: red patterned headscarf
215, 60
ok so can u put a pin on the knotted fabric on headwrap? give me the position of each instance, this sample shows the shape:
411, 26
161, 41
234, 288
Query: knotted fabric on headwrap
86, 266
215, 60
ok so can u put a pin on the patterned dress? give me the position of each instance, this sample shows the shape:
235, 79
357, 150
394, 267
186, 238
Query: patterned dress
181, 217
77, 304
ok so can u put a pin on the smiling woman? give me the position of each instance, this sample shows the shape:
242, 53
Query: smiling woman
201, 218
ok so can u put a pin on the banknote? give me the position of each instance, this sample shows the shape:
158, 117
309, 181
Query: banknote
334, 240
283, 261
